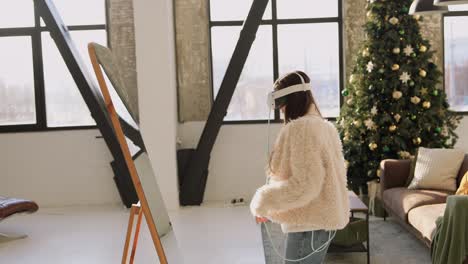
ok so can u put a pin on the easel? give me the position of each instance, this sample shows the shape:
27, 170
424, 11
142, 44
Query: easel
144, 208
134, 210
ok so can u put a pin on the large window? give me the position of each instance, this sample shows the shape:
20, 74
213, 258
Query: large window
456, 57
303, 36
37, 91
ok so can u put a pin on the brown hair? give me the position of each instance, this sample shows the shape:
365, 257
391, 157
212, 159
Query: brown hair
297, 104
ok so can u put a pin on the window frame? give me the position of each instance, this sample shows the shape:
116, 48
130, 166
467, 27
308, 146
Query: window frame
35, 34
444, 16
274, 21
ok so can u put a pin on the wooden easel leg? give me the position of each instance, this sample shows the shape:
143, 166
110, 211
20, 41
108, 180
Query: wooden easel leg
137, 232
133, 212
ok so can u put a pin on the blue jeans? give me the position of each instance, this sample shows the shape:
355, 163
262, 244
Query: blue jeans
298, 245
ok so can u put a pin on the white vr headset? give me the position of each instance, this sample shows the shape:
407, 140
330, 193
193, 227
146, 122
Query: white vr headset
276, 99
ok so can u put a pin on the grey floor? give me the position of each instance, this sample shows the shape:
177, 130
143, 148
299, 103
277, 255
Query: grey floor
390, 243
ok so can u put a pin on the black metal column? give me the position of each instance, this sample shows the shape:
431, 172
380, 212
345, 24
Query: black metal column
196, 172
90, 93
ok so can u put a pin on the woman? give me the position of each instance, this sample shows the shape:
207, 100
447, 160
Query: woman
307, 189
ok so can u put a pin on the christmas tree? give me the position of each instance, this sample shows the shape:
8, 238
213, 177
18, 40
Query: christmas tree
392, 104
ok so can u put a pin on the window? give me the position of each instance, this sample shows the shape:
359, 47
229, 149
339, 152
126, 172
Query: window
456, 57
304, 36
37, 92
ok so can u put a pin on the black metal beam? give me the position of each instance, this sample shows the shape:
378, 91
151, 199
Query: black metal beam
89, 91
196, 172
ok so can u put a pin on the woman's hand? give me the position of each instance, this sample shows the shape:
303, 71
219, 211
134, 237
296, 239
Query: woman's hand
260, 220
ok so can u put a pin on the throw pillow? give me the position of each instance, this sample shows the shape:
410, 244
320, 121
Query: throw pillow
463, 189
412, 169
437, 169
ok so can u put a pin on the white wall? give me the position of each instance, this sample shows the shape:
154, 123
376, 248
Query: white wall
155, 52
238, 158
57, 168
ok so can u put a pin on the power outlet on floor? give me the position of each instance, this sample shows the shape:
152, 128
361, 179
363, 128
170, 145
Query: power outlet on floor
237, 202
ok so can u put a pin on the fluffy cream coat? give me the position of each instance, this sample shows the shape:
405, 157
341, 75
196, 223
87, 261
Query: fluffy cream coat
307, 188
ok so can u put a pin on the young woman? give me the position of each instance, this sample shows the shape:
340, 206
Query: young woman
307, 189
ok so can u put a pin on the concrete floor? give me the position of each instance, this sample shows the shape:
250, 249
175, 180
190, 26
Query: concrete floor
208, 234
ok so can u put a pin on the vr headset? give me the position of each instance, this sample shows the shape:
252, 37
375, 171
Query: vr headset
277, 99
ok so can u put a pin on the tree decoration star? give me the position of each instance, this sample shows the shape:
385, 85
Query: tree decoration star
370, 66
369, 124
374, 110
424, 91
408, 50
405, 77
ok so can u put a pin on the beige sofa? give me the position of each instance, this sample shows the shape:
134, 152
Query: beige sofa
416, 210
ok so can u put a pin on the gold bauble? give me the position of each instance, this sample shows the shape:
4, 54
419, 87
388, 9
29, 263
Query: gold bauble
373, 146
366, 52
392, 128
350, 101
427, 104
422, 73
357, 123
423, 48
417, 141
396, 50
395, 67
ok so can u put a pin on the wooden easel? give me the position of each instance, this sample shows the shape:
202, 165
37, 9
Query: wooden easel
135, 210
145, 209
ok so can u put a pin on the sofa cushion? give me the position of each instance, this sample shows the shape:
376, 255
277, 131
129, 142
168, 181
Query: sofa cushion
402, 200
437, 169
424, 218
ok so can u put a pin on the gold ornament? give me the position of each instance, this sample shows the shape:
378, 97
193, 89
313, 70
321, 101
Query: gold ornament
395, 67
396, 50
415, 100
373, 146
397, 95
427, 104
397, 117
417, 141
404, 154
366, 52
393, 20
357, 123
359, 93
392, 128
370, 15
422, 73
423, 48
352, 77
350, 101
424, 91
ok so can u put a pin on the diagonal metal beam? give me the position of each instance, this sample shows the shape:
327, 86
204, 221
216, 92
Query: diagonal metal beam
90, 93
196, 172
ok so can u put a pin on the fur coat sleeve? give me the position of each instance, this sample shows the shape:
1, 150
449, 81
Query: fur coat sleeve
297, 170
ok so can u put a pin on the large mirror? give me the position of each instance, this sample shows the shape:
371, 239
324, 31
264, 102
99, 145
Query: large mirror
145, 181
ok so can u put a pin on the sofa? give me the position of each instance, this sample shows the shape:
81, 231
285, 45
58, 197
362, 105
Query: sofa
416, 210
